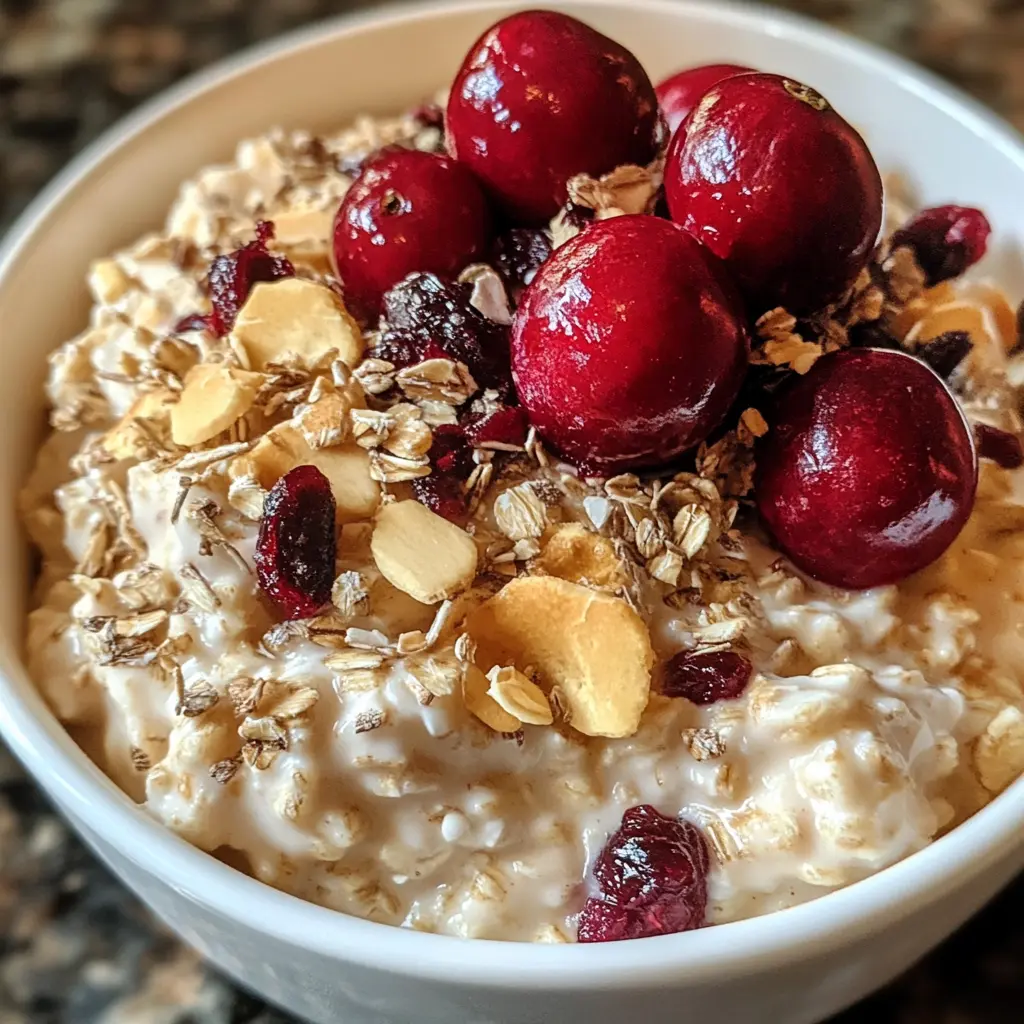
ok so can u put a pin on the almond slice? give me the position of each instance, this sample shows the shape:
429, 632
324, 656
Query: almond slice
480, 703
214, 397
347, 467
575, 554
592, 646
297, 316
427, 557
519, 696
125, 439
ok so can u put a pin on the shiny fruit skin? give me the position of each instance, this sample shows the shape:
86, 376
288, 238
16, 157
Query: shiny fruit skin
679, 93
868, 470
768, 176
540, 97
407, 211
629, 345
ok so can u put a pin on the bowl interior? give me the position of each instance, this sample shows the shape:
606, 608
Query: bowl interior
947, 149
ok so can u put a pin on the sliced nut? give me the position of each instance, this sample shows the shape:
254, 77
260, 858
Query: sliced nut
480, 703
348, 469
999, 751
325, 423
575, 554
591, 645
520, 513
297, 316
214, 397
519, 696
422, 554
126, 438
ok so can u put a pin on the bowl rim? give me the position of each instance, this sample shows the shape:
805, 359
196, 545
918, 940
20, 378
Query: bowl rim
837, 919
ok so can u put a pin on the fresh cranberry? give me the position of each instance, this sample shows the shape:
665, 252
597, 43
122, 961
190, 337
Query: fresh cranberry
946, 352
506, 426
1002, 447
407, 211
768, 176
233, 275
518, 254
426, 317
630, 344
868, 470
540, 97
295, 549
653, 876
679, 93
451, 457
704, 677
946, 240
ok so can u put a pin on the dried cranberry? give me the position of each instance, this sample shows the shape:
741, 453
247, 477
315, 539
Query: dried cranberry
653, 875
192, 322
424, 309
705, 677
430, 115
233, 275
296, 546
451, 457
1002, 447
519, 253
505, 426
946, 352
946, 240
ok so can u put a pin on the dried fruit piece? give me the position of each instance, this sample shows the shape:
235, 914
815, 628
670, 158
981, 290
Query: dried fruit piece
480, 703
347, 467
946, 352
519, 695
945, 240
214, 397
422, 554
297, 316
518, 255
295, 549
705, 677
594, 647
506, 427
452, 458
1002, 447
575, 554
653, 874
233, 275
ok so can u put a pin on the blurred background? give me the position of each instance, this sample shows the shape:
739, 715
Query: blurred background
74, 947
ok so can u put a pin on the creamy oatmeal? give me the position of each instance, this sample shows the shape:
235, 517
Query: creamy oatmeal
449, 741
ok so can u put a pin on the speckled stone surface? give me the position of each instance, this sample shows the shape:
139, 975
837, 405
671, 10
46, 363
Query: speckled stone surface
75, 948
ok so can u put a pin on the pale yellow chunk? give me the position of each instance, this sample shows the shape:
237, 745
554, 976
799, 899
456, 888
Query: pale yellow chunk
126, 438
999, 751
519, 696
299, 317
356, 493
214, 397
422, 554
591, 645
575, 554
480, 703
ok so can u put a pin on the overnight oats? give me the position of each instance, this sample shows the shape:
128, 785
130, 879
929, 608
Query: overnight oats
553, 514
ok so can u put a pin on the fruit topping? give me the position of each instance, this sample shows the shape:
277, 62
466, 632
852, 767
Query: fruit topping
540, 97
451, 457
868, 471
679, 93
427, 318
653, 877
1002, 447
630, 344
768, 176
517, 255
295, 549
946, 240
233, 275
504, 428
704, 677
946, 352
407, 211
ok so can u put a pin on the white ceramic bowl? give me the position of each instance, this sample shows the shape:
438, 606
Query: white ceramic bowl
792, 967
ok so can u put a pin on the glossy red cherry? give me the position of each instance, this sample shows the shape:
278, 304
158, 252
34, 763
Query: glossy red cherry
629, 345
407, 211
678, 94
768, 176
868, 470
946, 240
540, 97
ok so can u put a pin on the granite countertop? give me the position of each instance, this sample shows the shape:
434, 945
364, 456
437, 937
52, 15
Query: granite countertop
76, 948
